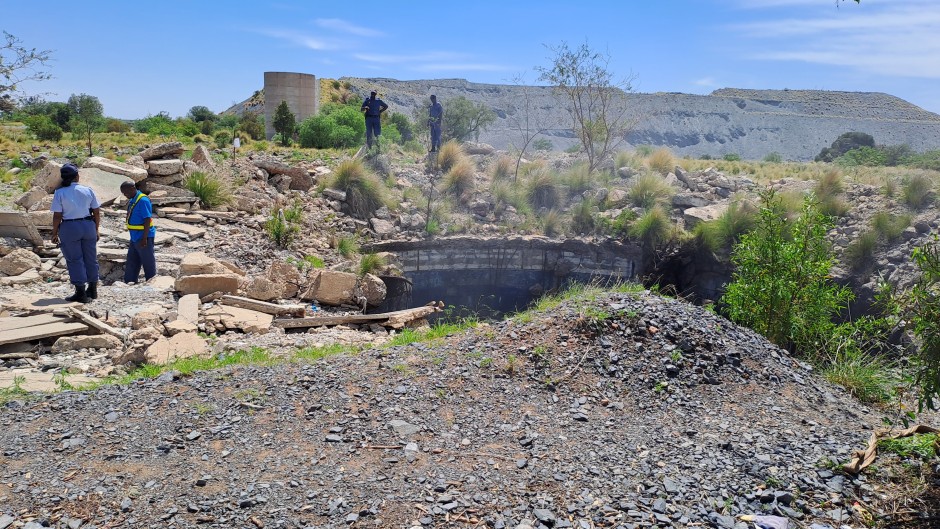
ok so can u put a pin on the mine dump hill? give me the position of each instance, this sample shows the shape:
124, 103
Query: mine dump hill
797, 124
617, 409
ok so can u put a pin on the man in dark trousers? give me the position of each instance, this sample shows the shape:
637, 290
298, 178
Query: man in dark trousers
435, 119
142, 232
373, 107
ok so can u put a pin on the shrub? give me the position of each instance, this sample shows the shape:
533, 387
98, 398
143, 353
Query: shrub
371, 262
449, 155
460, 178
404, 126
578, 179
781, 286
551, 223
916, 190
347, 246
315, 132
773, 157
731, 157
116, 125
924, 313
863, 374
503, 168
364, 193
542, 144
889, 227
279, 230
652, 228
223, 139
722, 233
44, 128
582, 218
859, 252
209, 188
648, 190
574, 148
644, 150
661, 161
542, 191
414, 147
827, 191
342, 137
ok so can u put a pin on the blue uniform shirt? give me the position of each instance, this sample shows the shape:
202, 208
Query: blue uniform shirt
74, 202
373, 107
436, 113
142, 210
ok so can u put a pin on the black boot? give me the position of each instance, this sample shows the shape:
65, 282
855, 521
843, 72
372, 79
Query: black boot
92, 291
79, 295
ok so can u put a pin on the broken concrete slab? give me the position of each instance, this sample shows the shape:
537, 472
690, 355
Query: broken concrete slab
39, 381
196, 263
192, 232
34, 302
27, 277
38, 332
162, 150
133, 173
179, 326
205, 284
74, 343
107, 186
49, 177
331, 287
188, 309
203, 158
167, 180
183, 345
31, 197
246, 320
164, 167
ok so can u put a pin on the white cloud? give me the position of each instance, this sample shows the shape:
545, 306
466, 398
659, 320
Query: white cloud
418, 57
348, 27
708, 82
898, 39
301, 39
456, 67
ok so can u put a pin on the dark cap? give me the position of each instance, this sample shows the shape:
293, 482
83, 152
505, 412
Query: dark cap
68, 171
373, 92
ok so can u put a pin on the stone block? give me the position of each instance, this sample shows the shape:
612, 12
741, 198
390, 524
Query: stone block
110, 166
19, 261
694, 216
167, 180
374, 289
286, 276
164, 167
163, 150
197, 263
188, 309
262, 289
330, 287
31, 198
183, 345
66, 344
203, 158
205, 284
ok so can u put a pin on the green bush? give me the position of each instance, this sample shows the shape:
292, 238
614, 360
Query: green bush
551, 223
542, 144
889, 227
209, 188
279, 230
731, 157
863, 374
916, 191
924, 313
542, 191
722, 233
315, 132
773, 157
781, 284
371, 262
342, 137
364, 192
582, 218
403, 125
223, 139
347, 246
863, 156
43, 128
652, 228
503, 168
858, 254
578, 178
648, 190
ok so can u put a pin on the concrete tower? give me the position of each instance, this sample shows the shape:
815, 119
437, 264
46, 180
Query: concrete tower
300, 90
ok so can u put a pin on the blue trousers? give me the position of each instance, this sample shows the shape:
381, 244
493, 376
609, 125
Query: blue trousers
137, 257
436, 137
79, 244
373, 129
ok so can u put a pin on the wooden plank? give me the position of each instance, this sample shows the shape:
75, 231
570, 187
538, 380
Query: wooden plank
39, 332
19, 322
261, 306
395, 319
91, 321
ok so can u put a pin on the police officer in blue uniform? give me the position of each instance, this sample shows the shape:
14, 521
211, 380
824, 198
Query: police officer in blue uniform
140, 226
373, 107
435, 120
76, 218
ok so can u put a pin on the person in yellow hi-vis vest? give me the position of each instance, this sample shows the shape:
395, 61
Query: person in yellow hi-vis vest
140, 252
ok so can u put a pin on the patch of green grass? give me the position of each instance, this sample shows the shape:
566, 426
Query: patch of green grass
652, 228
430, 334
888, 226
864, 375
460, 178
648, 190
661, 386
916, 191
14, 392
924, 446
859, 252
347, 246
313, 354
371, 262
542, 190
364, 192
551, 223
209, 188
280, 230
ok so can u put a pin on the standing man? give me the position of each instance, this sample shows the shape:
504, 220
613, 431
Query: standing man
140, 226
435, 119
373, 108
76, 217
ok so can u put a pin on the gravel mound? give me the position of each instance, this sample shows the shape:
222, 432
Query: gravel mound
623, 410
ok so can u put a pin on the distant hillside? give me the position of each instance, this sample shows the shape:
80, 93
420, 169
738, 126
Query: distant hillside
751, 123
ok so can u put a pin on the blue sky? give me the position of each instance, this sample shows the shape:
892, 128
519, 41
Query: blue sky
144, 57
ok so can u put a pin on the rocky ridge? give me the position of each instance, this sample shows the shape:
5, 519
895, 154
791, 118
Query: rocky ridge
796, 124
624, 410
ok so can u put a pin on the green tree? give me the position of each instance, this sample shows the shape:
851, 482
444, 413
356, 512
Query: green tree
845, 143
252, 123
781, 286
595, 99
924, 314
284, 123
18, 64
403, 124
465, 119
86, 116
200, 114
